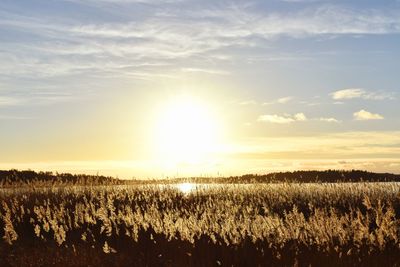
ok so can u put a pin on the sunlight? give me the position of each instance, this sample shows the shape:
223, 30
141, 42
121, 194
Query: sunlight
186, 131
186, 188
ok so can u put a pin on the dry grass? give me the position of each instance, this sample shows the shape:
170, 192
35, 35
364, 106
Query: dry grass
268, 224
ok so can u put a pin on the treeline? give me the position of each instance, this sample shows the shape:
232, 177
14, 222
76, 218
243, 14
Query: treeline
22, 178
38, 179
328, 176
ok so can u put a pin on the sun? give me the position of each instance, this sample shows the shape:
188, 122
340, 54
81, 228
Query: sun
187, 131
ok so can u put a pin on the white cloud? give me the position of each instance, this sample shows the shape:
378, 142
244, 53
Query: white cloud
241, 23
300, 117
329, 120
282, 100
338, 103
352, 93
142, 46
282, 119
363, 115
287, 118
162, 34
276, 119
348, 93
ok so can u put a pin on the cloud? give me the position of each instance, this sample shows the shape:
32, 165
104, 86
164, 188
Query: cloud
241, 22
282, 119
276, 119
352, 93
300, 117
9, 101
35, 97
248, 102
207, 71
363, 115
300, 1
329, 120
282, 100
7, 117
161, 34
345, 145
287, 118
338, 103
128, 1
348, 93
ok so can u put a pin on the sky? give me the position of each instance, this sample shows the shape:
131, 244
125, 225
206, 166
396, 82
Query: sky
172, 88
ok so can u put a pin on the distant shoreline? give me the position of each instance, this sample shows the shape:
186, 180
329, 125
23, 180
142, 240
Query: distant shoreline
29, 177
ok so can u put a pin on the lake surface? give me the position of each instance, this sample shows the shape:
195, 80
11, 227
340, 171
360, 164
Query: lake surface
190, 188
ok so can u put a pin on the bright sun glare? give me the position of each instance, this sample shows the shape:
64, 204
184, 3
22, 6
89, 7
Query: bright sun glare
187, 131
186, 188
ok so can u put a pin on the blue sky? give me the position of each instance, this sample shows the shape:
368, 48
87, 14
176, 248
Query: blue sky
80, 81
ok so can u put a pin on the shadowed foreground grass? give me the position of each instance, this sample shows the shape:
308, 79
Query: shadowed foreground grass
352, 224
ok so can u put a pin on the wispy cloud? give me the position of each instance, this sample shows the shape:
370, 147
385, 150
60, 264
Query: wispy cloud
276, 119
127, 1
7, 117
238, 22
364, 115
300, 1
287, 118
282, 119
10, 101
207, 71
35, 98
348, 93
248, 102
344, 145
166, 34
329, 120
282, 100
352, 93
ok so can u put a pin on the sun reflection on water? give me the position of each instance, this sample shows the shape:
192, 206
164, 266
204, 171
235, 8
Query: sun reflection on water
186, 188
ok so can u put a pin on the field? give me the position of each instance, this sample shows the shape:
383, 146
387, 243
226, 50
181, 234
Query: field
270, 224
